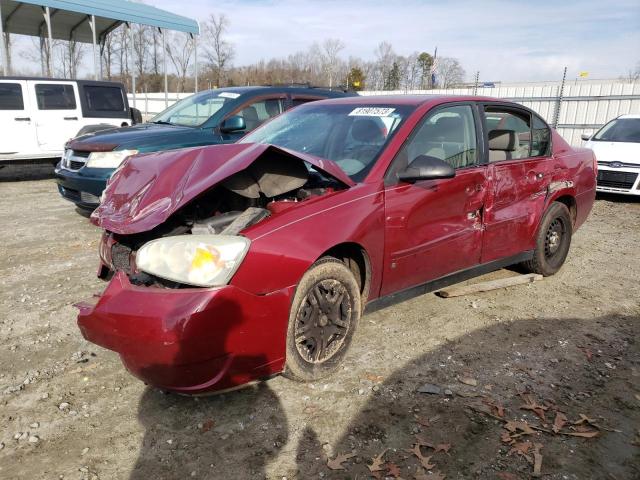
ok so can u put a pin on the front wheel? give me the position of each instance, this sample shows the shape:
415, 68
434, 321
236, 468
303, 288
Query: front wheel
552, 242
323, 317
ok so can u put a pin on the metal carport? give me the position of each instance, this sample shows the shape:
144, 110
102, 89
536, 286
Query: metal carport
88, 21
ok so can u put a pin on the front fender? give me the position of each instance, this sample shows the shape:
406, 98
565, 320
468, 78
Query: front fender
285, 246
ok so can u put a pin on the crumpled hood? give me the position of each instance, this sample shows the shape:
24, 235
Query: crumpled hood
148, 188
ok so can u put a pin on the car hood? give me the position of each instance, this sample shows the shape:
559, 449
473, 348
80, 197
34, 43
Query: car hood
625, 152
137, 136
148, 188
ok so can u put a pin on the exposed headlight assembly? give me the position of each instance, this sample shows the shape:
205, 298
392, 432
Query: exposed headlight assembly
200, 260
108, 159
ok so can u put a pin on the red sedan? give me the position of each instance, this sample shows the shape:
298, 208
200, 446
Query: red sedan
232, 263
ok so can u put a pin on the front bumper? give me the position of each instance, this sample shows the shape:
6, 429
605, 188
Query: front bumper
190, 340
625, 180
82, 187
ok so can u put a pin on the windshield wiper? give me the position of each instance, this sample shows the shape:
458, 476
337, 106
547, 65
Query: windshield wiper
162, 122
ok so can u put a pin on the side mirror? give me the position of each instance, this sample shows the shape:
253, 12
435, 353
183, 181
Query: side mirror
586, 137
425, 167
233, 124
136, 116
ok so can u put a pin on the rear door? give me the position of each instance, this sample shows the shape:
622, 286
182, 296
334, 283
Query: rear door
521, 169
15, 119
57, 113
434, 227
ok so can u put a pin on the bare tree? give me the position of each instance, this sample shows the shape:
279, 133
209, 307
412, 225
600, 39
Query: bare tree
449, 72
70, 55
179, 49
385, 57
634, 74
331, 47
218, 51
7, 52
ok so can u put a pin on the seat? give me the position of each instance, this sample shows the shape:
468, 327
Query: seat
502, 144
251, 119
272, 107
369, 136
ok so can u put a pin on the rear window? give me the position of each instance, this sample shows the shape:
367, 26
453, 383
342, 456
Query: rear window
103, 99
53, 96
11, 96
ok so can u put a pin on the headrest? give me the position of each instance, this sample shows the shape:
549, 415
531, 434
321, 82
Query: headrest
367, 130
250, 113
505, 140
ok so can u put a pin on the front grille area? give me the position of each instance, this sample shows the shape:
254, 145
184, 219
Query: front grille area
74, 160
610, 179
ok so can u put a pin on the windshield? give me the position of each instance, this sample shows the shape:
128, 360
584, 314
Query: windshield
353, 136
620, 130
193, 111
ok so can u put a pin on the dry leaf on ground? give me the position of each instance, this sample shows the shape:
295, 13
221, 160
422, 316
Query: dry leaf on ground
378, 463
393, 470
589, 434
532, 405
468, 381
537, 459
514, 425
559, 422
423, 442
424, 461
336, 463
443, 447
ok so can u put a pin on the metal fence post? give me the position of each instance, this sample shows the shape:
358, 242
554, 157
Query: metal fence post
556, 115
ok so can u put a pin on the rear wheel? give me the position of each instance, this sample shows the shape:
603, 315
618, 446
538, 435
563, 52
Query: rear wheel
324, 314
552, 242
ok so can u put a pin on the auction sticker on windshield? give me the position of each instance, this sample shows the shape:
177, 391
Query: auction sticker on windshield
371, 112
228, 95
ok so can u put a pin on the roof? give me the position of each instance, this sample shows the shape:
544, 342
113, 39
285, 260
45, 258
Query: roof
70, 18
413, 100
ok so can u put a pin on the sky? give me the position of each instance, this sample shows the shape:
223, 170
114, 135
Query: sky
503, 40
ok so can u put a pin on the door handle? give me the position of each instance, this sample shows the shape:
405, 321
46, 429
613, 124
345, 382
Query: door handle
71, 118
22, 119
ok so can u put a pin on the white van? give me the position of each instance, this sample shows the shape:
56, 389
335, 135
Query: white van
38, 116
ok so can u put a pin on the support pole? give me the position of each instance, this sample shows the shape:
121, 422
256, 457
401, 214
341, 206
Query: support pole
556, 114
164, 69
195, 59
133, 66
47, 19
92, 23
4, 54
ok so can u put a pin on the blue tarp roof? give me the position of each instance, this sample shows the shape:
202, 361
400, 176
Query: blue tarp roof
69, 18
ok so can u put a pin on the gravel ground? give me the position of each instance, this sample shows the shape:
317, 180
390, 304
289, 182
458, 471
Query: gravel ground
562, 348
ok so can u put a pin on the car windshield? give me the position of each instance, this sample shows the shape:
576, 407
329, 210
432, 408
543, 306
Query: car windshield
620, 130
193, 111
353, 136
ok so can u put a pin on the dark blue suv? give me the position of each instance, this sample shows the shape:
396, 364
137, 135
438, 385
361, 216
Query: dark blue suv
211, 117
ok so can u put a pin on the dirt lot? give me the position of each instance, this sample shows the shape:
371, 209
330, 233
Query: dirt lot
563, 347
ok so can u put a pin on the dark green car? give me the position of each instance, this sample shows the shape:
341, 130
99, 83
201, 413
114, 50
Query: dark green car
207, 118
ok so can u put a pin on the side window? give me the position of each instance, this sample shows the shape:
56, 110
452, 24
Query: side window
259, 112
103, 99
11, 96
540, 138
509, 133
53, 96
301, 101
449, 134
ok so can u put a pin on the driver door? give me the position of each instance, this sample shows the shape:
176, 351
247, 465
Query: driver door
434, 227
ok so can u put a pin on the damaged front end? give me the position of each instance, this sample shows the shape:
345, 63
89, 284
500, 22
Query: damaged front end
174, 225
219, 190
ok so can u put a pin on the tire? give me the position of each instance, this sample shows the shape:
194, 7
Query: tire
324, 314
552, 241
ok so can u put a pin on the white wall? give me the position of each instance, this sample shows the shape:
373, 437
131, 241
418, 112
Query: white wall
585, 107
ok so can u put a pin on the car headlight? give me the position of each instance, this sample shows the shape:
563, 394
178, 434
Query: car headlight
200, 260
108, 159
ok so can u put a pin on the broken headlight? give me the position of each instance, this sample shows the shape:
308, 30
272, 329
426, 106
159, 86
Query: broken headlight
200, 260
108, 159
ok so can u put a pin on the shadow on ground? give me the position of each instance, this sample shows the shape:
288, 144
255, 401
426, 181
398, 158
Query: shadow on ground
19, 173
569, 366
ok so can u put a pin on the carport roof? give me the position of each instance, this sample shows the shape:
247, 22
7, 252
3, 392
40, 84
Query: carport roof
70, 18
